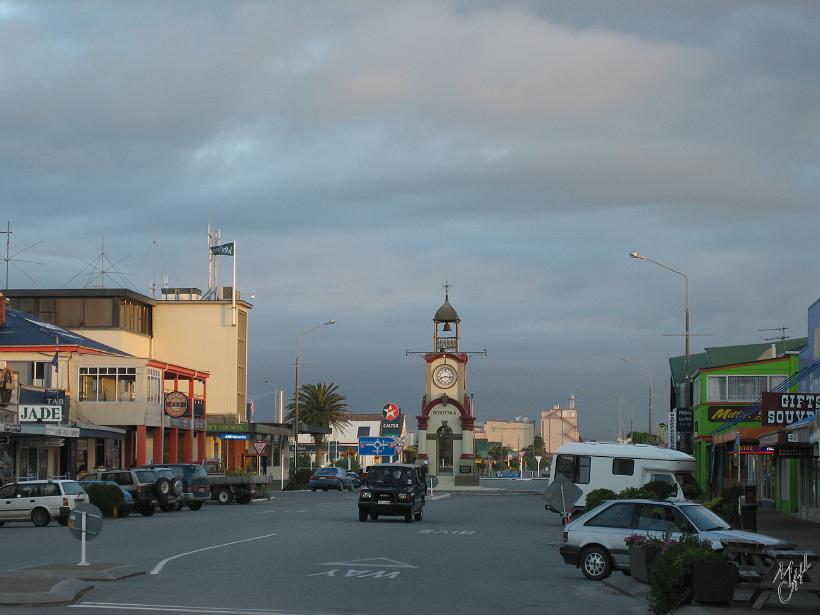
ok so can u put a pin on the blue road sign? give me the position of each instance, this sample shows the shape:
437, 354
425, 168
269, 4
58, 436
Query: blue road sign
374, 445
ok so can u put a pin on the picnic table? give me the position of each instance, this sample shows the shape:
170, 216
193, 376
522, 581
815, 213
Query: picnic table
775, 571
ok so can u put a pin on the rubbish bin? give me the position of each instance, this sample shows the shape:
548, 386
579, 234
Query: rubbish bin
748, 517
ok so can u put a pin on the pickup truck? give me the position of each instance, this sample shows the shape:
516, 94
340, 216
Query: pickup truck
225, 488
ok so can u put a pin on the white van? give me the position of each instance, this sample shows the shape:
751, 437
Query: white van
603, 465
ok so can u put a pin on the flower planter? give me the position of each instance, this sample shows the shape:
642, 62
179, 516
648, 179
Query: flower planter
713, 581
640, 559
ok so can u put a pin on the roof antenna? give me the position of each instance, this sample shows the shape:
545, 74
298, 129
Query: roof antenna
780, 338
10, 258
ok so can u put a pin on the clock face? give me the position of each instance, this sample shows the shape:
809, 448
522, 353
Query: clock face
444, 376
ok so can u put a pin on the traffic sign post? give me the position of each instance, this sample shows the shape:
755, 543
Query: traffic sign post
538, 459
85, 523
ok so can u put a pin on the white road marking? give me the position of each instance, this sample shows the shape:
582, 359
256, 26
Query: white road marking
158, 568
360, 574
447, 532
168, 608
374, 562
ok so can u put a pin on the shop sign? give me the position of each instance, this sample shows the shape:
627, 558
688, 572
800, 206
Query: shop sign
234, 436
686, 421
10, 427
40, 414
788, 408
176, 403
720, 414
794, 451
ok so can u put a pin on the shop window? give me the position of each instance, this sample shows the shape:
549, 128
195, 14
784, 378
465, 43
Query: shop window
740, 388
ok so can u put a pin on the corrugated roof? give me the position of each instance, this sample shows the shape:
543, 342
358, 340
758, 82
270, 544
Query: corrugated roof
24, 330
717, 356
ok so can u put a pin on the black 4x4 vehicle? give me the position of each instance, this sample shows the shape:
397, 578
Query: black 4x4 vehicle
395, 489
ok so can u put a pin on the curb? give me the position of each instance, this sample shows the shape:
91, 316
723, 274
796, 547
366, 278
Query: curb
62, 591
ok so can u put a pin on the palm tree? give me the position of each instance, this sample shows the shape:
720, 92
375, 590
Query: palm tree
322, 405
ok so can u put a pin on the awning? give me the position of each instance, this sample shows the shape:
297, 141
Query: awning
44, 429
89, 430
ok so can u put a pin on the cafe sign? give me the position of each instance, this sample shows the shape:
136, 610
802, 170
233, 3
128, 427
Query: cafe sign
788, 408
176, 403
40, 414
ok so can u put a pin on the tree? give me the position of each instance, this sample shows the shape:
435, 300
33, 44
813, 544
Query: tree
410, 454
321, 405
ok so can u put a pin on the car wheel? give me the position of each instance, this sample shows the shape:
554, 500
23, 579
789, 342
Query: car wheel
195, 505
596, 563
168, 507
40, 517
362, 515
374, 516
123, 512
313, 489
62, 521
2, 523
179, 504
146, 510
341, 486
224, 496
245, 498
420, 514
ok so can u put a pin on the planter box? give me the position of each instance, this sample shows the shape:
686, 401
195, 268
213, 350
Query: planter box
713, 581
640, 559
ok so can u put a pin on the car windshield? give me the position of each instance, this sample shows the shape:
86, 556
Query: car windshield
389, 476
72, 488
704, 519
325, 472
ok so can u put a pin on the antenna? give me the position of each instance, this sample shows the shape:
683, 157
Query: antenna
100, 267
10, 258
780, 338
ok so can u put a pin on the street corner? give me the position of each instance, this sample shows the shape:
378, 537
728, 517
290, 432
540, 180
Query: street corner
44, 590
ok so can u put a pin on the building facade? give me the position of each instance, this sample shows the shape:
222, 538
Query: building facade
559, 425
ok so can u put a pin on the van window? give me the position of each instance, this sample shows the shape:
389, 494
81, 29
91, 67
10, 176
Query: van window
663, 478
617, 515
574, 468
623, 467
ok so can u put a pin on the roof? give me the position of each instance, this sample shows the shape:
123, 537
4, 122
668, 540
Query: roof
718, 356
446, 313
24, 331
633, 451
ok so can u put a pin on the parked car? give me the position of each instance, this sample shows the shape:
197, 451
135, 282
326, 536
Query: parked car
40, 501
146, 486
127, 498
195, 487
594, 542
330, 478
596, 465
357, 482
169, 491
392, 489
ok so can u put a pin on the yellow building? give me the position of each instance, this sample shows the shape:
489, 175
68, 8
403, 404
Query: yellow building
515, 435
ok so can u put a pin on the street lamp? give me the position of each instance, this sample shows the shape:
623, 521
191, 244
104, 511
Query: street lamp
296, 401
640, 256
649, 371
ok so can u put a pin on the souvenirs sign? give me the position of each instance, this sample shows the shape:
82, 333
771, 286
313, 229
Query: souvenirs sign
788, 408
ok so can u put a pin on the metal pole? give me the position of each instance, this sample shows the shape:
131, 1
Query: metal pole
82, 542
296, 412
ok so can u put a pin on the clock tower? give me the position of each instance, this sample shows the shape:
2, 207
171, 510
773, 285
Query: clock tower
446, 442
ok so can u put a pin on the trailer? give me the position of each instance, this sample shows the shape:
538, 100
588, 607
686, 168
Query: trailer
226, 488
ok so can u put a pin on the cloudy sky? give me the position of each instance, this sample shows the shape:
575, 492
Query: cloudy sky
362, 153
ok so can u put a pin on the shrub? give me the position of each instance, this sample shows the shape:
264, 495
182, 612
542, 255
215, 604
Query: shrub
299, 480
671, 573
633, 493
596, 496
659, 490
108, 498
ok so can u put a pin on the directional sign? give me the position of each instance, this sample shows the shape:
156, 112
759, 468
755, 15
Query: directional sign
377, 446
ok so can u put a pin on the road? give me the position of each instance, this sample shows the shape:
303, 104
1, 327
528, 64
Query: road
306, 553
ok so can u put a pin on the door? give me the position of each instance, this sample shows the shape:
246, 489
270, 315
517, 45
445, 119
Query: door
7, 495
27, 494
609, 528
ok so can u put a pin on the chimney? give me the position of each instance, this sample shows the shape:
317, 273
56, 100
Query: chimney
2, 311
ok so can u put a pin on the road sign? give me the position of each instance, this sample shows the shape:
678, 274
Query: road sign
260, 446
371, 445
93, 521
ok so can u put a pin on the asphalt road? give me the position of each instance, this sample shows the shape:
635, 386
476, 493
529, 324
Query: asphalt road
307, 553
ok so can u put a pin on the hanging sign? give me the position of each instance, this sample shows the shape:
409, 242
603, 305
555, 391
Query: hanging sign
176, 403
788, 408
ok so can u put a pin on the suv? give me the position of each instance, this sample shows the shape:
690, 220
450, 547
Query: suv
147, 487
40, 501
196, 489
595, 540
395, 489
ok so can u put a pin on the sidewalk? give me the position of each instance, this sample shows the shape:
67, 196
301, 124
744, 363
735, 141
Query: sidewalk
806, 535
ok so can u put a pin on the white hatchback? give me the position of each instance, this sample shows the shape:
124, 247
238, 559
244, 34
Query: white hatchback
40, 501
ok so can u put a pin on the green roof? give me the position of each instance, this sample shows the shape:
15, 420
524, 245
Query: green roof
718, 356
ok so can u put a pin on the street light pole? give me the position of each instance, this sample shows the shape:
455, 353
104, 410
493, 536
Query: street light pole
649, 371
297, 393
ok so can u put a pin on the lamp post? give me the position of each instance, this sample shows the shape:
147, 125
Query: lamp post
649, 371
296, 394
640, 256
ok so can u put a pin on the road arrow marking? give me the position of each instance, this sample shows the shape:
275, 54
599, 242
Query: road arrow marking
373, 562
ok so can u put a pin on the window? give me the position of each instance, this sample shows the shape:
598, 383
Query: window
108, 383
8, 491
740, 388
51, 489
363, 432
659, 518
662, 478
154, 386
98, 312
574, 468
617, 515
623, 467
69, 312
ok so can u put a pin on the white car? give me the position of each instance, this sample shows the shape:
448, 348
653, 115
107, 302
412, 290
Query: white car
40, 501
